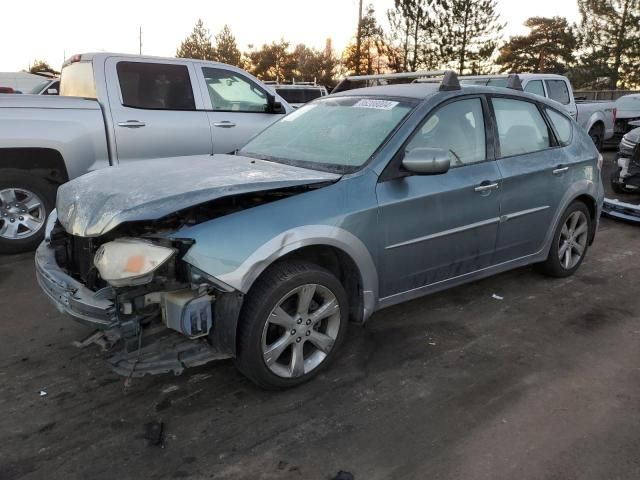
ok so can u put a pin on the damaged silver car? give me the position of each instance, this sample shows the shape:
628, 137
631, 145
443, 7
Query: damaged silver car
353, 203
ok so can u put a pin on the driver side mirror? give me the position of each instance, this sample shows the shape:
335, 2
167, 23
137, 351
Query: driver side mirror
427, 161
273, 106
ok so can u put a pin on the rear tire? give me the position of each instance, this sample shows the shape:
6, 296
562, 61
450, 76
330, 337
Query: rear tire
285, 338
26, 201
597, 136
570, 242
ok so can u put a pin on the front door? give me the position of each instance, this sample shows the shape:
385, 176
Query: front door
238, 108
156, 113
442, 226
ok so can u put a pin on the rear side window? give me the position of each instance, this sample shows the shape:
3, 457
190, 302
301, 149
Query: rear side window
458, 128
562, 125
521, 127
535, 87
155, 86
558, 91
76, 80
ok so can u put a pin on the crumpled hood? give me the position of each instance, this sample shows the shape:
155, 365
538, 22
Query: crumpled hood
96, 203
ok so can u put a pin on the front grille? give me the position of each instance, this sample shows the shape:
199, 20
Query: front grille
75, 255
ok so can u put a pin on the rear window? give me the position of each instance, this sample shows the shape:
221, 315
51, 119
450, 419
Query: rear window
520, 126
562, 125
155, 86
76, 80
558, 91
299, 95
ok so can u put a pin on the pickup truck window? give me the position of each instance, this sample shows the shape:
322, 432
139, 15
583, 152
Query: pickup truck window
231, 92
558, 91
76, 80
521, 127
562, 125
155, 86
457, 127
535, 87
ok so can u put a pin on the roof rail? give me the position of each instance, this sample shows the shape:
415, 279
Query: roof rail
514, 83
449, 79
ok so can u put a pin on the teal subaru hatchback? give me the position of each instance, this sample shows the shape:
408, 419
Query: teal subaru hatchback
352, 203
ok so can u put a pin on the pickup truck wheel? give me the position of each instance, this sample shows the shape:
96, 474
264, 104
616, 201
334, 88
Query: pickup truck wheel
293, 321
570, 242
597, 136
25, 202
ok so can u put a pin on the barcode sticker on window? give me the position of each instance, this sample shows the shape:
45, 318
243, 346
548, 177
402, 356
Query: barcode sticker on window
377, 104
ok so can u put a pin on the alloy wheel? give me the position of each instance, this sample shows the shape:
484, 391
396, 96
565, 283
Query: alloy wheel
573, 240
301, 331
22, 213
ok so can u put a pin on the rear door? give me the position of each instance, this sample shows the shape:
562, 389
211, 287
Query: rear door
156, 111
237, 106
534, 169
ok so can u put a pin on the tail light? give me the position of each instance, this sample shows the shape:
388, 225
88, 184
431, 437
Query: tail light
600, 161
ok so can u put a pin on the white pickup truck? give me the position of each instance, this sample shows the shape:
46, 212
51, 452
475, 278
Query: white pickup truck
114, 109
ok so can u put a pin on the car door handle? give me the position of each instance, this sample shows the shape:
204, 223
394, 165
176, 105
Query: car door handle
131, 124
224, 124
486, 187
560, 170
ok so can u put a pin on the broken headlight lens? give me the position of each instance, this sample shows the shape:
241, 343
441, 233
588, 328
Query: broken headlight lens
128, 261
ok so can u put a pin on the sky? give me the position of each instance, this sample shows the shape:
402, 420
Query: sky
35, 30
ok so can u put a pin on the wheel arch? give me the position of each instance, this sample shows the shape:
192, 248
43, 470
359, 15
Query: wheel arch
45, 162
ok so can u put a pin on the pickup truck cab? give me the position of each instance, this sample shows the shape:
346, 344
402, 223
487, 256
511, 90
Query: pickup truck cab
116, 109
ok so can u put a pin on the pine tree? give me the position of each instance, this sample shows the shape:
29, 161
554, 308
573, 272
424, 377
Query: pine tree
226, 49
470, 32
372, 57
197, 44
610, 30
548, 48
272, 62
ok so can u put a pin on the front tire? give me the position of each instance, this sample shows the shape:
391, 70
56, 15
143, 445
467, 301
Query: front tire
25, 203
292, 324
570, 242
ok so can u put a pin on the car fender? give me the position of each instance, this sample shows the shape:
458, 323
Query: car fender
243, 277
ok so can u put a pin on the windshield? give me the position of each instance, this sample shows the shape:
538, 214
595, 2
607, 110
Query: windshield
38, 88
335, 134
628, 103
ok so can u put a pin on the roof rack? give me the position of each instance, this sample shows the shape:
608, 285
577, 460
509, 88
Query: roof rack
514, 83
449, 79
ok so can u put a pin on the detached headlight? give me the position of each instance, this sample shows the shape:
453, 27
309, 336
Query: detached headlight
128, 262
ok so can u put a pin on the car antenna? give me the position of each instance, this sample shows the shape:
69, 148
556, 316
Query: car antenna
514, 83
449, 82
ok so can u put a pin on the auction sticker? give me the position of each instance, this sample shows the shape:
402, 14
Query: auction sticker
377, 104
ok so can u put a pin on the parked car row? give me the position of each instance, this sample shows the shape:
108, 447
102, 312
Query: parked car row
357, 201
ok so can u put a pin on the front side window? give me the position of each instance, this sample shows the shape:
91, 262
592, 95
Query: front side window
562, 124
231, 92
458, 128
558, 91
155, 86
521, 128
535, 87
333, 134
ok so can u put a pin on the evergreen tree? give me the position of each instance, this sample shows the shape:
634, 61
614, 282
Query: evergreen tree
548, 48
272, 62
39, 66
469, 34
226, 49
610, 31
372, 57
197, 44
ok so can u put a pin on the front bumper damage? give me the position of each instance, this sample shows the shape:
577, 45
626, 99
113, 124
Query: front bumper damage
139, 345
621, 210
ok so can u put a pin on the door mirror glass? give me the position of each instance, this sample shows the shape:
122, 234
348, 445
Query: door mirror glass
427, 161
